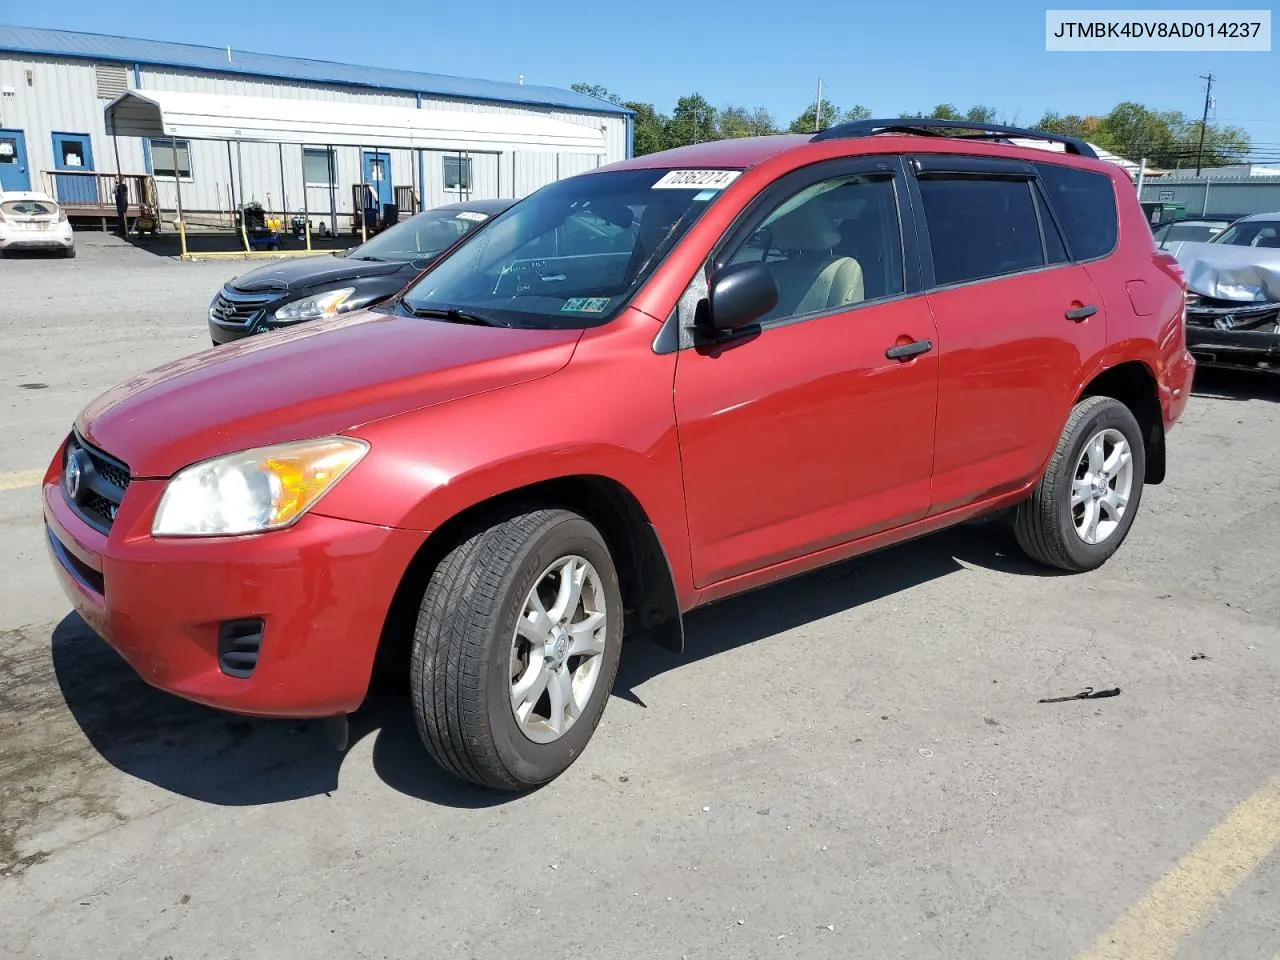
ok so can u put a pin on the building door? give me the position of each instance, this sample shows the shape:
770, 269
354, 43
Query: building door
74, 151
13, 161
377, 174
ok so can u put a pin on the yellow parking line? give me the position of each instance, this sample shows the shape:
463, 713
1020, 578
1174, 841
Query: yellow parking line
20, 478
1181, 902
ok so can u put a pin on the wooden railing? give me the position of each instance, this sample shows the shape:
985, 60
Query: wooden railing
86, 193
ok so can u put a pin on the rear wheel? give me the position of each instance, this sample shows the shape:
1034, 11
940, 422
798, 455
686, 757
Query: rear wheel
1083, 506
516, 649
69, 253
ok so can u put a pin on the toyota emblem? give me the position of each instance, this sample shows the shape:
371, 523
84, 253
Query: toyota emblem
74, 475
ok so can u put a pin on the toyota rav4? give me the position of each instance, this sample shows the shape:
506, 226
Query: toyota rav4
637, 391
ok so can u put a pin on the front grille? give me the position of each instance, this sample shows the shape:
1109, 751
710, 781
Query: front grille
239, 309
98, 490
1226, 315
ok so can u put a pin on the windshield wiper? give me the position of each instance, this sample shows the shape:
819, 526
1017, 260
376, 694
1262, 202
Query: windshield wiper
454, 315
369, 259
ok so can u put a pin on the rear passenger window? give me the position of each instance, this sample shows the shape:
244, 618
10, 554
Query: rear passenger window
980, 228
1086, 206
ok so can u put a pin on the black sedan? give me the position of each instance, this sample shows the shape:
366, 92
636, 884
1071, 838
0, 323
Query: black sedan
287, 292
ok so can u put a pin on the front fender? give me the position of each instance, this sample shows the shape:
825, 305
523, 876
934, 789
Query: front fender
427, 467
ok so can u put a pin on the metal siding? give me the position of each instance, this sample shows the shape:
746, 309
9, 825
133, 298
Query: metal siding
1236, 197
63, 97
66, 43
186, 81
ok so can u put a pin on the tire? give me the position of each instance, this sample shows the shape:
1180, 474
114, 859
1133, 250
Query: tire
1048, 525
70, 253
467, 655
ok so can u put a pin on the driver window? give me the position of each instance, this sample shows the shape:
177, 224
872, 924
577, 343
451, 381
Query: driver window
835, 243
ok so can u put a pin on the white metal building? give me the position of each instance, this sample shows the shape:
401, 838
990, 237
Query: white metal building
331, 126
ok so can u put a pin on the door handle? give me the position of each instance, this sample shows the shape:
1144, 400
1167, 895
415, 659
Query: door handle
1081, 313
906, 351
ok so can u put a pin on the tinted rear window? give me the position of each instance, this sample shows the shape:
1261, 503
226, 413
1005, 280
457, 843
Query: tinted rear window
1086, 206
980, 228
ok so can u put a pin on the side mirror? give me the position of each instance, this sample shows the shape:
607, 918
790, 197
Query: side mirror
739, 295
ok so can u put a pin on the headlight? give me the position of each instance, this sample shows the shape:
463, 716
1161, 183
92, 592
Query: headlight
254, 491
312, 308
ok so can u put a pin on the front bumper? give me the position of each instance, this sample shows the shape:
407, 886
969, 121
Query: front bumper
322, 590
1245, 335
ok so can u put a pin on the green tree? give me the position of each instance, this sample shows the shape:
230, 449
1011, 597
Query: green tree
1168, 138
810, 122
980, 114
649, 128
596, 90
692, 121
734, 121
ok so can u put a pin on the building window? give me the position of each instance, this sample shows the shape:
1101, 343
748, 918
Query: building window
319, 166
162, 158
457, 173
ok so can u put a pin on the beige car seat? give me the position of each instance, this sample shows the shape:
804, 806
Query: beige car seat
812, 278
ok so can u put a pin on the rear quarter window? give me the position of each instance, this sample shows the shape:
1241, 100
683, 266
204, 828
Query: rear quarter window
1086, 206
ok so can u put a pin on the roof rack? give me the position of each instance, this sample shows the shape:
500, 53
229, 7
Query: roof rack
962, 129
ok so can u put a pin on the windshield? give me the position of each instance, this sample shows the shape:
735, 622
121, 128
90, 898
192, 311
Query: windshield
421, 237
572, 254
1251, 233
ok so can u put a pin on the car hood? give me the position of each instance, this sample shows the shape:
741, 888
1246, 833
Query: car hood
316, 379
1226, 272
306, 272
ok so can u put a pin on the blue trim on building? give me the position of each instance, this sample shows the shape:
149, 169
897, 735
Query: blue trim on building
137, 76
184, 56
146, 154
631, 136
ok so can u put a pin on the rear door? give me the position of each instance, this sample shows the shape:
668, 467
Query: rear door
1017, 323
803, 434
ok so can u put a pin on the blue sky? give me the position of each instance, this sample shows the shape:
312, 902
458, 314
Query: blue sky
889, 56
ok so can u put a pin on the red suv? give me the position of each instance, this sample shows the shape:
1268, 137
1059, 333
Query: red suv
637, 391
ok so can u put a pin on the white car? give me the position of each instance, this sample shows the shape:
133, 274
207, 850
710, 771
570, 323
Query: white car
34, 221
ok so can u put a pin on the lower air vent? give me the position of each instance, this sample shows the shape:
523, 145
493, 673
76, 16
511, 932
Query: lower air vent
239, 643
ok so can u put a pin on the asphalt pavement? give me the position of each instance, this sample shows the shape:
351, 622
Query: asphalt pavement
855, 763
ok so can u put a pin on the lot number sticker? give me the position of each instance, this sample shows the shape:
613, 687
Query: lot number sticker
697, 179
472, 215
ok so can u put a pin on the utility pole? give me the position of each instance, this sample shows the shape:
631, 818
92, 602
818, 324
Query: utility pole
817, 114
1204, 120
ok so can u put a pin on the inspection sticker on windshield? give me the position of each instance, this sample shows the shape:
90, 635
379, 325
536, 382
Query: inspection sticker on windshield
585, 305
697, 179
472, 215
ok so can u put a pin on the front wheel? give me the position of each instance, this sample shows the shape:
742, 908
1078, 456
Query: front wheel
516, 649
1083, 506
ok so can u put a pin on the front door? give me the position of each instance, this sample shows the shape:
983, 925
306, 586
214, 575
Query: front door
13, 161
804, 434
74, 151
377, 175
